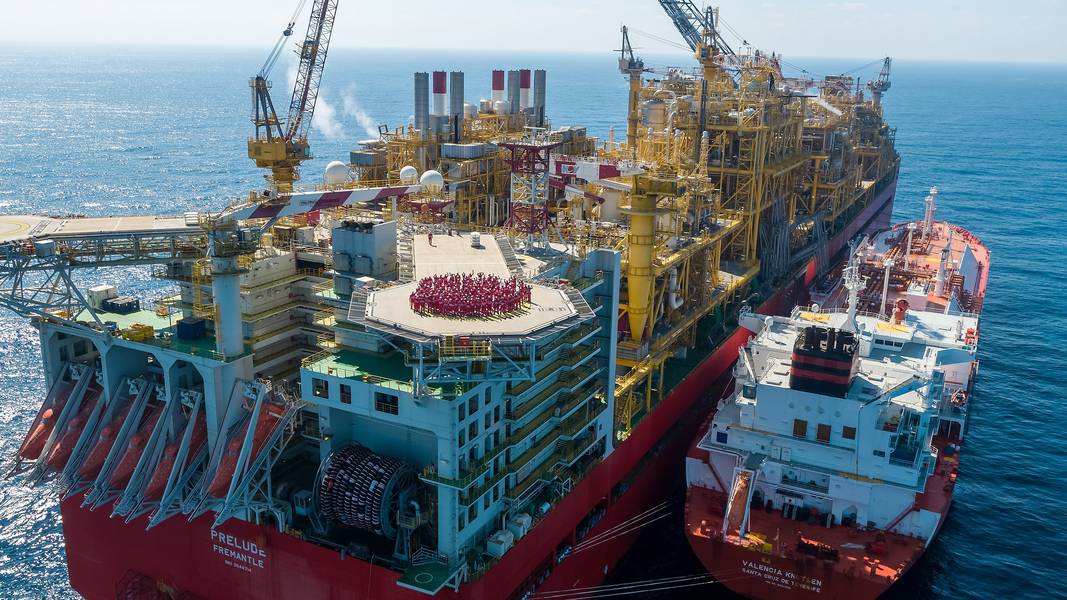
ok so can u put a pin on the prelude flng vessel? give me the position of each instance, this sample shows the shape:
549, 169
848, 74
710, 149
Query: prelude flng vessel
462, 364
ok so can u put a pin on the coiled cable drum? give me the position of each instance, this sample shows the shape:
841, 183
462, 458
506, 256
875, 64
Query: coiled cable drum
359, 488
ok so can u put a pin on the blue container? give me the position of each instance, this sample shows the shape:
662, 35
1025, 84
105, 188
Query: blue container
191, 328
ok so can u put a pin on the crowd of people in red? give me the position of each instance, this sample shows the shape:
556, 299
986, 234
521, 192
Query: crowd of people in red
469, 296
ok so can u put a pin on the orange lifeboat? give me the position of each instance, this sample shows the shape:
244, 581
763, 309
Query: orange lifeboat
269, 415
64, 446
43, 425
158, 483
104, 441
124, 469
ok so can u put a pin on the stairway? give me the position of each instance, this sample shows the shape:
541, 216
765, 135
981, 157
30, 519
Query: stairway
512, 261
405, 255
737, 506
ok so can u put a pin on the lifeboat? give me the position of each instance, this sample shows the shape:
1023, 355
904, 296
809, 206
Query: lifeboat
157, 485
61, 450
104, 441
269, 415
35, 439
120, 477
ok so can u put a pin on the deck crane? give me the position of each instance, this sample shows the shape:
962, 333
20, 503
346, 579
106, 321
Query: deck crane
633, 67
698, 28
880, 85
282, 146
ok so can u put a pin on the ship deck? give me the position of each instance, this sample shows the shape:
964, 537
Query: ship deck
914, 272
21, 227
872, 553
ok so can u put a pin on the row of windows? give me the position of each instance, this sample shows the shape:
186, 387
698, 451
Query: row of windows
822, 431
386, 403
472, 511
471, 407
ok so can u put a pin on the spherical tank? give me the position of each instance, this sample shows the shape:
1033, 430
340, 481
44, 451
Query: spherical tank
336, 173
409, 175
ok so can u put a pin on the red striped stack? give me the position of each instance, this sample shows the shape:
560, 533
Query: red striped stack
824, 361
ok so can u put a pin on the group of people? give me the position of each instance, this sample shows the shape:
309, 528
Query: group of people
468, 295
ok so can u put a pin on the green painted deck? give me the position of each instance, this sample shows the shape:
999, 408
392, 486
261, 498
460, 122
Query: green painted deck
167, 326
429, 577
385, 370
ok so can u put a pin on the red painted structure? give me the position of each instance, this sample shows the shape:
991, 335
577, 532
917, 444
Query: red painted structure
805, 560
242, 560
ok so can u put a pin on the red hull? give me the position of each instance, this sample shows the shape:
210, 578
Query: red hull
243, 560
761, 576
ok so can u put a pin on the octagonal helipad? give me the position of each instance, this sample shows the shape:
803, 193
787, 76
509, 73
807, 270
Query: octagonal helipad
391, 307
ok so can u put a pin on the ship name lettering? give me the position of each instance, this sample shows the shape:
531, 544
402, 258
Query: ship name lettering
240, 553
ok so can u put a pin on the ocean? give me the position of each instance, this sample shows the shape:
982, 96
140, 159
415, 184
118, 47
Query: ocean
121, 130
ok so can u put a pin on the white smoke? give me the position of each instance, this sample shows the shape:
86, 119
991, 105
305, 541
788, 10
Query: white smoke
352, 108
329, 120
325, 119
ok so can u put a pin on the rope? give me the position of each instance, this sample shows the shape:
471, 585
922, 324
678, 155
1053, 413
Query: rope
625, 524
633, 587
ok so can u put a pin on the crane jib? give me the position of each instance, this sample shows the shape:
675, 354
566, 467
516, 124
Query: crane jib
312, 62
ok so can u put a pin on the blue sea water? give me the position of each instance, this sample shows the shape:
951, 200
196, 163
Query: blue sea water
118, 130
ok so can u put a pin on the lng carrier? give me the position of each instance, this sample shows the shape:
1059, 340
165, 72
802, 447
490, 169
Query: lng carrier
831, 467
459, 366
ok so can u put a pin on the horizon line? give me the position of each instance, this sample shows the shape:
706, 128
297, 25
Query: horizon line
36, 45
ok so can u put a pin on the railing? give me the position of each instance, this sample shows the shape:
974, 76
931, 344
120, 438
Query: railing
313, 363
815, 487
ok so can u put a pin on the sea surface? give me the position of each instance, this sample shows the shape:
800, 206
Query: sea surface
100, 131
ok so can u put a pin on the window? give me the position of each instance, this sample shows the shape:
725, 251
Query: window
346, 394
320, 388
472, 405
485, 501
472, 513
488, 396
496, 438
496, 413
472, 430
386, 403
462, 522
462, 411
496, 493
488, 420
849, 433
462, 438
822, 433
800, 428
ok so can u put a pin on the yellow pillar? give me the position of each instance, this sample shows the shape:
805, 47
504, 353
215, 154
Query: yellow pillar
639, 276
642, 247
633, 116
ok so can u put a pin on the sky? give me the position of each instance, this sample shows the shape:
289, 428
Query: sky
974, 30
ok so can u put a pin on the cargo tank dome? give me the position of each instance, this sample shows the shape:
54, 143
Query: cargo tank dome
336, 173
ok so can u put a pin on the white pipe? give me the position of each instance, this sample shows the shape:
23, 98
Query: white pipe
674, 298
885, 285
226, 293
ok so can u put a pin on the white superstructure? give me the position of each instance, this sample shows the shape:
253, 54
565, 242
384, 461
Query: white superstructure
839, 426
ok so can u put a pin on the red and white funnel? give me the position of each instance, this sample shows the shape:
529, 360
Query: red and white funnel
440, 94
498, 87
525, 81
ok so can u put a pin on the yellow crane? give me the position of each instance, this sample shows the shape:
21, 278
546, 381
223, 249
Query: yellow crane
282, 146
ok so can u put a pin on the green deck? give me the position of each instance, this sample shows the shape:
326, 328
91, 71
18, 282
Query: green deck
385, 370
167, 326
429, 577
